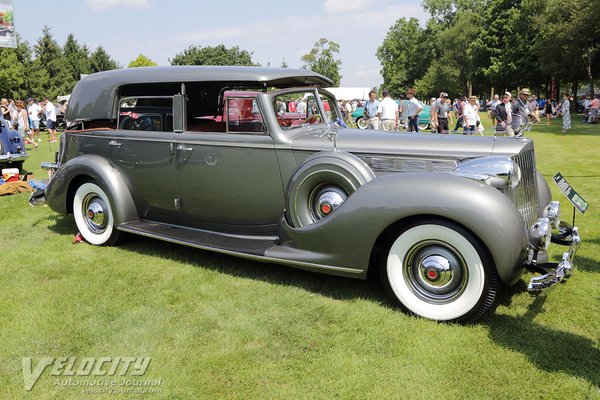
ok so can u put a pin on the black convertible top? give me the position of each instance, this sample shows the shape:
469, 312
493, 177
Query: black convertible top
95, 96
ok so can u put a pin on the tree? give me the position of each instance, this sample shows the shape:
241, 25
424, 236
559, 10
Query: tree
12, 72
101, 61
78, 58
142, 61
321, 59
569, 40
218, 55
48, 56
404, 55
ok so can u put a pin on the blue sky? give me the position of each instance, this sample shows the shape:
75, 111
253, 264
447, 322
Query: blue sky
272, 30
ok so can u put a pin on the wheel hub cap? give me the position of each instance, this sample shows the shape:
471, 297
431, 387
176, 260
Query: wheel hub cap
326, 200
435, 272
95, 213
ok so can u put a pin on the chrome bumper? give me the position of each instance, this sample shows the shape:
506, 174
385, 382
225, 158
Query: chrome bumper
555, 273
13, 157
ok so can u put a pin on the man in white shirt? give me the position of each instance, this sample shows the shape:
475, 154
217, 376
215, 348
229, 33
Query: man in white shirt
50, 111
34, 110
388, 112
414, 109
301, 107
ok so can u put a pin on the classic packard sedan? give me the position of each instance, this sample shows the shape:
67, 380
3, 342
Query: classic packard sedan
207, 157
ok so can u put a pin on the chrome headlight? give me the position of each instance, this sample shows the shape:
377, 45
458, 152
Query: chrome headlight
552, 212
500, 172
540, 234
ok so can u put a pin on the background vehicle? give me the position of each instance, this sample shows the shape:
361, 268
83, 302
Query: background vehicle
12, 148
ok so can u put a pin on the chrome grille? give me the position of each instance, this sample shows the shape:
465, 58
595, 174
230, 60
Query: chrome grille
526, 191
385, 164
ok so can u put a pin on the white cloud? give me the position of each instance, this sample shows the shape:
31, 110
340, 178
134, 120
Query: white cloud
358, 33
340, 6
102, 5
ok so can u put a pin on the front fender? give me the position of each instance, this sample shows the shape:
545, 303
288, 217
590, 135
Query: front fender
347, 237
103, 172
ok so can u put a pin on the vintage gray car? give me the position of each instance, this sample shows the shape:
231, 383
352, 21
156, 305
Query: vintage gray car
210, 157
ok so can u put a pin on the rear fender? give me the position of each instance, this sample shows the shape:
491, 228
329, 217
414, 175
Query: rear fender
87, 167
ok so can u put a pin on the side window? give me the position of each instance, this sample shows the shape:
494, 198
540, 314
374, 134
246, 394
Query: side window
145, 113
243, 116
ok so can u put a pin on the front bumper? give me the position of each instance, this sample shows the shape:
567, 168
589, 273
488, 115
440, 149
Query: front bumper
553, 273
10, 158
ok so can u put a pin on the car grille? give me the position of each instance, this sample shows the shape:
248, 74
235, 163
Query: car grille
526, 191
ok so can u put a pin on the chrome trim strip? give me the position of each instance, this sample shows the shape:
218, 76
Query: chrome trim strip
243, 255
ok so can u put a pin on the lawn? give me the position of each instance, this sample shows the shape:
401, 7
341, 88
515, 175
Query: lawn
221, 327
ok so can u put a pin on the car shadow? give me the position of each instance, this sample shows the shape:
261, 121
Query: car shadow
335, 287
549, 349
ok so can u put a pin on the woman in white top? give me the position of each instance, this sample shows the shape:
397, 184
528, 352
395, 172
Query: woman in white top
22, 119
566, 113
469, 116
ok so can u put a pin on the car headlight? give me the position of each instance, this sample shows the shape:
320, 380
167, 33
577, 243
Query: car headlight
500, 172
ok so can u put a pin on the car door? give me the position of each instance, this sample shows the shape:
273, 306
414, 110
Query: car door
143, 148
228, 173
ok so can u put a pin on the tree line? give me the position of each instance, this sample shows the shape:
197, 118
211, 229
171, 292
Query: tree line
472, 45
466, 46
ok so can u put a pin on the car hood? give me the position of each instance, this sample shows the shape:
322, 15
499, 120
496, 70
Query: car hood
410, 145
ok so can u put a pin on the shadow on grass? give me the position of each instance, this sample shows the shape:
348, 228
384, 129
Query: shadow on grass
62, 225
336, 287
549, 349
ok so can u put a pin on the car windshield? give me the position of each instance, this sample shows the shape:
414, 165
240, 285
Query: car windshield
301, 108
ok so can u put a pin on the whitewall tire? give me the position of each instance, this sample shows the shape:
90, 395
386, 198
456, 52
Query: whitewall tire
438, 270
94, 216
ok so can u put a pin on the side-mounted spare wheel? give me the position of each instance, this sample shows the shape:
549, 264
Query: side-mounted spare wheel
93, 214
322, 184
438, 270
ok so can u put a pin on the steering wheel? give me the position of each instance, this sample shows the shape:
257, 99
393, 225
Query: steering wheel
309, 120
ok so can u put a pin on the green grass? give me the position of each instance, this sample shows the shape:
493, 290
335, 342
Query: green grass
222, 327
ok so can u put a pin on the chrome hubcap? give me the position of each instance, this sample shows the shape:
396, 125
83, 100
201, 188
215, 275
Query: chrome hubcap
325, 200
435, 272
95, 213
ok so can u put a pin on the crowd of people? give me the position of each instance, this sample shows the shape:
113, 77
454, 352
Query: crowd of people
506, 113
26, 118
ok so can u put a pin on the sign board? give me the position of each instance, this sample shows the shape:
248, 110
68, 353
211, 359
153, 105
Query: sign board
574, 197
8, 37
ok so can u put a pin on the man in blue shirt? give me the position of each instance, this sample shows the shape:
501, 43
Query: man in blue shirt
371, 107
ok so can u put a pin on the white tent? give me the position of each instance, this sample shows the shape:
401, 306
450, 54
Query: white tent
350, 93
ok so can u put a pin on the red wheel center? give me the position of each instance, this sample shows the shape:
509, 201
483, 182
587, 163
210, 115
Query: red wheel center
326, 208
432, 274
90, 214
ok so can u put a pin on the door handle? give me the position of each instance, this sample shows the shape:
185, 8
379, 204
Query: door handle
184, 148
114, 143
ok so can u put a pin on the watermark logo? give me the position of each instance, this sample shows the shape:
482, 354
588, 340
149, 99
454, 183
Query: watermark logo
106, 368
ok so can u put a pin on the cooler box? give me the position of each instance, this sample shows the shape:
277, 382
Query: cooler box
10, 174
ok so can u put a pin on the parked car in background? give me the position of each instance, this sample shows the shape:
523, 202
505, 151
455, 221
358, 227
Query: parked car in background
12, 148
362, 123
442, 219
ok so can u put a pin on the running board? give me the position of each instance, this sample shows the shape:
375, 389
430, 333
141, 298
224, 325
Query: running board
201, 239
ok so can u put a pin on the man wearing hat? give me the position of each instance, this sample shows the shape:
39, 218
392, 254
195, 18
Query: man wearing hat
504, 116
414, 109
520, 108
440, 113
